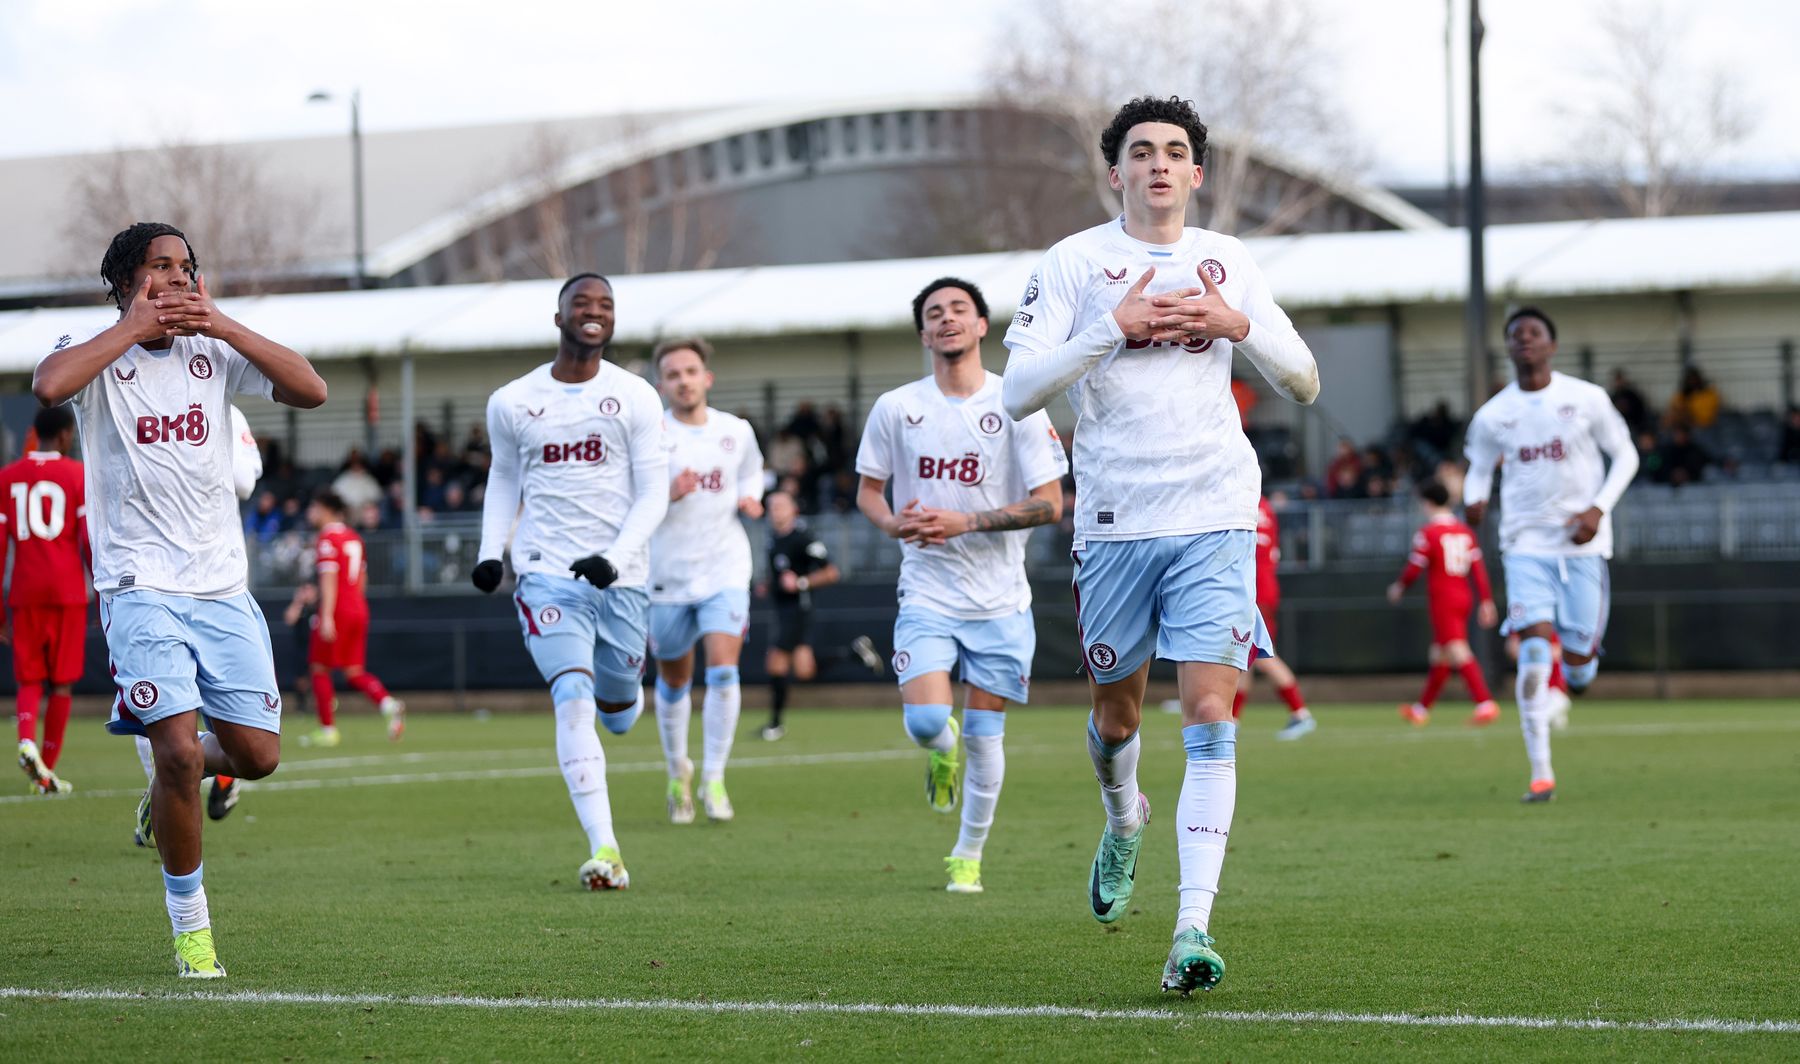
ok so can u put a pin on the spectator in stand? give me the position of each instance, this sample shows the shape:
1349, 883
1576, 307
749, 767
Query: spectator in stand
1695, 404
805, 424
833, 440
263, 522
1790, 437
1434, 434
1680, 459
1629, 402
1376, 466
1649, 457
355, 484
367, 517
1343, 476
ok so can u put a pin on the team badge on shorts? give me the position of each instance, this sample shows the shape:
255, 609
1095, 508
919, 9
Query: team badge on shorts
902, 661
143, 694
609, 406
200, 366
549, 615
1213, 269
1102, 657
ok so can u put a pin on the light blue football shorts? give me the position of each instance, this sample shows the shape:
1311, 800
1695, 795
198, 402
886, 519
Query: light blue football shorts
172, 654
1187, 598
676, 627
570, 625
1573, 593
996, 653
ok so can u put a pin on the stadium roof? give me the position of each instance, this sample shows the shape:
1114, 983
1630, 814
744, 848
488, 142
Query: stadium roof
1742, 252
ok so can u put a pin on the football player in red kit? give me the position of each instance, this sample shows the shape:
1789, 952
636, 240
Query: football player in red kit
1446, 549
1268, 596
341, 627
43, 517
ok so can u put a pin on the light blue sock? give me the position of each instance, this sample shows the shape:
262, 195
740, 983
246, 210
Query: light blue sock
1214, 741
928, 725
619, 722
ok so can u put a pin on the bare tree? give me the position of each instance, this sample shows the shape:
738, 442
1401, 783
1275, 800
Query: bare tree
249, 227
1654, 120
1258, 70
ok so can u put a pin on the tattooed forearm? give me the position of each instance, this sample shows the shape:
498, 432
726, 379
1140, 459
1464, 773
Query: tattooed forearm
1027, 514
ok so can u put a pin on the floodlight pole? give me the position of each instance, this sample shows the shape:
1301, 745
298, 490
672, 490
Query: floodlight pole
1475, 307
361, 279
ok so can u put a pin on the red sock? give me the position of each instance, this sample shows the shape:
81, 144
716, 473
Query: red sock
1237, 701
323, 695
1556, 675
1477, 683
31, 696
56, 721
368, 685
1434, 684
1291, 695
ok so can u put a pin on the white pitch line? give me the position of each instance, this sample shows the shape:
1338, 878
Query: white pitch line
1198, 1013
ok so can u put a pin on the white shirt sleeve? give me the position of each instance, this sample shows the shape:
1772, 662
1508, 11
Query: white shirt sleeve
246, 460
1272, 345
242, 376
500, 503
1038, 451
1045, 358
1614, 439
649, 478
1483, 453
874, 455
750, 467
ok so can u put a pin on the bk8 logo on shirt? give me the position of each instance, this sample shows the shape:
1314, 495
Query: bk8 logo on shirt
1552, 450
1193, 347
189, 428
710, 481
966, 469
592, 450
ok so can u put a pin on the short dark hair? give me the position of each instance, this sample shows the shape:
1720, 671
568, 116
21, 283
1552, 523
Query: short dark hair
53, 421
1173, 109
331, 500
947, 282
126, 253
1432, 490
1528, 312
696, 344
577, 279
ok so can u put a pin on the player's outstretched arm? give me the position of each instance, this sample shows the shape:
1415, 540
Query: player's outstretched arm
1270, 341
65, 372
296, 382
500, 501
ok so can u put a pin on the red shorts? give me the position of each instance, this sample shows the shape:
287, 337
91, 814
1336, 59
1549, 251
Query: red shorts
1267, 607
49, 643
348, 650
1450, 621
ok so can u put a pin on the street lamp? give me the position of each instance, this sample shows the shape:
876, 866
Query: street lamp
361, 280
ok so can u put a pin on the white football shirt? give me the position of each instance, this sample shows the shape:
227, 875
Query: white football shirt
701, 549
1159, 446
578, 454
157, 444
246, 459
967, 456
1548, 445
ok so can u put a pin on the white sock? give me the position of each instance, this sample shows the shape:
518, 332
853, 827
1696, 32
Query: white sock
1533, 690
187, 912
1117, 771
672, 718
1203, 820
148, 757
719, 726
583, 763
984, 772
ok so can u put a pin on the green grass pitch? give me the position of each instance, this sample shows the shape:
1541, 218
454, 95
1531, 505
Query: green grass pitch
1373, 871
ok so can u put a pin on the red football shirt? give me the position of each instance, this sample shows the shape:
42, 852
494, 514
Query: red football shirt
1448, 550
1268, 553
340, 550
43, 519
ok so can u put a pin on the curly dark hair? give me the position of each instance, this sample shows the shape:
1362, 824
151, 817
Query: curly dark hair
975, 297
1174, 110
1433, 491
126, 253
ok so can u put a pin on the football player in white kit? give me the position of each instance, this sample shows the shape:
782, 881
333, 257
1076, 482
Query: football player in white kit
1548, 431
578, 442
152, 394
1138, 320
969, 484
700, 572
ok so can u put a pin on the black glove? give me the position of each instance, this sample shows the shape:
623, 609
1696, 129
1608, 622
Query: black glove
486, 576
596, 570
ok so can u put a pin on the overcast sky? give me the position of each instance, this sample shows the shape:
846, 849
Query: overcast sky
82, 75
